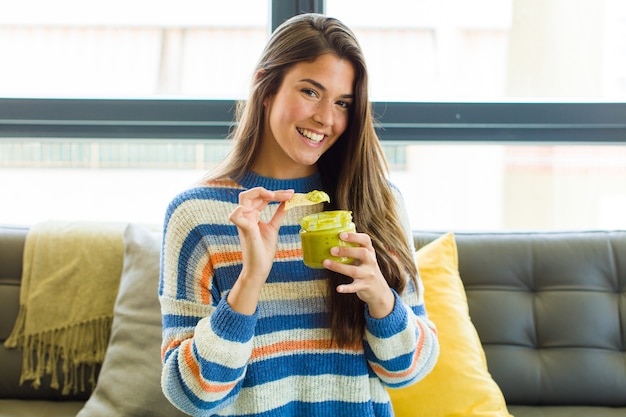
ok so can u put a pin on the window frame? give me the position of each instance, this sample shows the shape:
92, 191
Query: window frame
395, 121
581, 122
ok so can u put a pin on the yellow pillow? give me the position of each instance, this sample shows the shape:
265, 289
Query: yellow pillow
460, 384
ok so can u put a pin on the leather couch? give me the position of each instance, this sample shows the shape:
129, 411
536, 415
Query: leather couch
550, 311
549, 307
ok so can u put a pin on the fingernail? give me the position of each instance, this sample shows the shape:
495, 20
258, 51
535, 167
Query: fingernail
334, 250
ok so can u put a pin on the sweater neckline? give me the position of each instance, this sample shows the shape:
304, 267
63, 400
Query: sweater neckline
299, 185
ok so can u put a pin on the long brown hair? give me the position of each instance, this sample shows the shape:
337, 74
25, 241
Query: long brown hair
354, 171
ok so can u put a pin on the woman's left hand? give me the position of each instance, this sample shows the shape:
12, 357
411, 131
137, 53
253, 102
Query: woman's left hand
368, 283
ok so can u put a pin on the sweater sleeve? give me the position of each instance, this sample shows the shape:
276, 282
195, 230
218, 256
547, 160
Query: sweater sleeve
403, 347
206, 345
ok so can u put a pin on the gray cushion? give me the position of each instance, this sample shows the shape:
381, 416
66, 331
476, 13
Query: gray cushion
565, 411
38, 408
129, 381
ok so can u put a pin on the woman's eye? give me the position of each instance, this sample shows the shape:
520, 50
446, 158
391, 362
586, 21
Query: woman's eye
309, 92
344, 104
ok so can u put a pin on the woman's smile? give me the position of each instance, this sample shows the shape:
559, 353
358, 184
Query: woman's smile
312, 136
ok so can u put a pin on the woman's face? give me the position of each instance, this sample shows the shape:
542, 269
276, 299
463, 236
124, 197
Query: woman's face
305, 117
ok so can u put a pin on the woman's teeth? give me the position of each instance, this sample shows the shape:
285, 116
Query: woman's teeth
315, 137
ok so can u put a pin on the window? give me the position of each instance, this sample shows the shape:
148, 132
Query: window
114, 49
491, 50
501, 51
460, 186
130, 48
475, 101
111, 180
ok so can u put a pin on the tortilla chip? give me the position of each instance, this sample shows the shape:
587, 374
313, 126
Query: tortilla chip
308, 199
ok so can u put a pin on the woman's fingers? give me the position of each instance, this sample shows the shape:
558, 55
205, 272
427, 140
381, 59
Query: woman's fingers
251, 202
259, 197
242, 216
363, 253
283, 195
278, 216
263, 194
256, 198
364, 271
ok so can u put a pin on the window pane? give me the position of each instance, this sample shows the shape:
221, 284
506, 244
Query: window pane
73, 48
421, 50
514, 187
417, 50
446, 186
99, 180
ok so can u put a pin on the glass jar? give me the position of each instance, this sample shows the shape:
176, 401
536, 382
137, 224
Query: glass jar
320, 232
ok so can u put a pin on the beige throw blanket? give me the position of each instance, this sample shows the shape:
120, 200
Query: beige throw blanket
70, 278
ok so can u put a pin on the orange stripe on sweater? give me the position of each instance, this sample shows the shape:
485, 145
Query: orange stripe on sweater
222, 183
205, 283
289, 253
291, 345
225, 257
193, 366
420, 344
230, 257
169, 347
236, 256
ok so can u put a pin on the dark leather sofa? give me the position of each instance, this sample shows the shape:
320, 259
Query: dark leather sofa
550, 310
549, 307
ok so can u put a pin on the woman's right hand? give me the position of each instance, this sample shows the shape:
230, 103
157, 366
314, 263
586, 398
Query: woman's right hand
259, 242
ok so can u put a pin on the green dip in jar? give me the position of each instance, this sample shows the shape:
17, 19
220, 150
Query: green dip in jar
320, 231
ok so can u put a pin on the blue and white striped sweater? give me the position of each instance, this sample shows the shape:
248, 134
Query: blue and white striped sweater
279, 361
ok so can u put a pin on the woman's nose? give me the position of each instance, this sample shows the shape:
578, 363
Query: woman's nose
324, 113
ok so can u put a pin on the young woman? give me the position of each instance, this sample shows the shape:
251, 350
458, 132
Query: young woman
248, 329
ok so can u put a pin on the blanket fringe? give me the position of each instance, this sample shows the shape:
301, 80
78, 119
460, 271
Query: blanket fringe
69, 350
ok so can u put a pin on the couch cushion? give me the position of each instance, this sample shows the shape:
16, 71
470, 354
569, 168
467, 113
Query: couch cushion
11, 252
460, 384
550, 310
129, 381
566, 411
37, 408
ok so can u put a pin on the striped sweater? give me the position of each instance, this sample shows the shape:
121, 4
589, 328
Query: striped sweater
279, 361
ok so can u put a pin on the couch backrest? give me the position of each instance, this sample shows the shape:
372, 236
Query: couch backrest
550, 310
